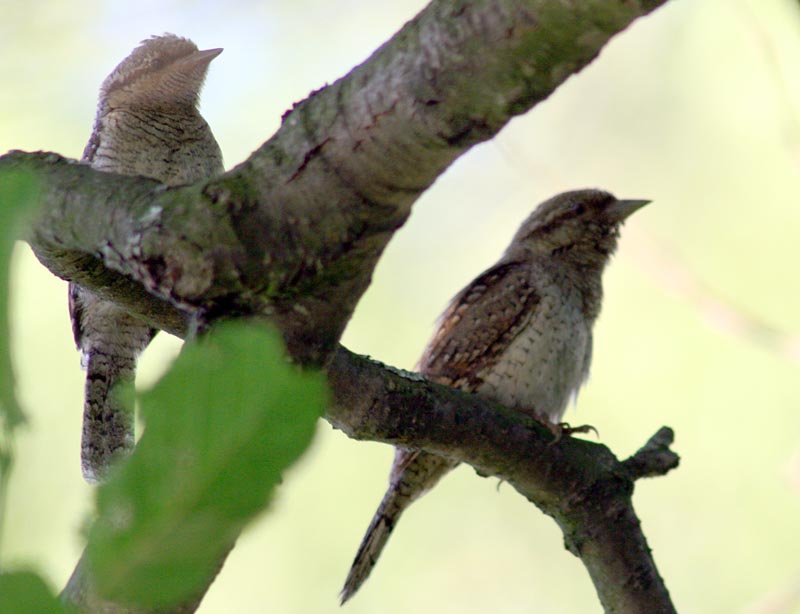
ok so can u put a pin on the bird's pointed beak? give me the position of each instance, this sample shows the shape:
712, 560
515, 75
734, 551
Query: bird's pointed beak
624, 208
203, 57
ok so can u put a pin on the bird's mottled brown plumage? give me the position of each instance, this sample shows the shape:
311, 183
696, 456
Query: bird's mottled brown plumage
147, 124
520, 334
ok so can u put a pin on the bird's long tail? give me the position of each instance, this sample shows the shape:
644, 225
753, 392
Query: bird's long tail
110, 340
413, 474
108, 416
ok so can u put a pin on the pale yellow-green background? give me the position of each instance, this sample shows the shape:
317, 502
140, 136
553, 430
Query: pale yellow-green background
696, 107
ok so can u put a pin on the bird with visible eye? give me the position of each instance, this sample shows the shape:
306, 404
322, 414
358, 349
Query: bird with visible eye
520, 334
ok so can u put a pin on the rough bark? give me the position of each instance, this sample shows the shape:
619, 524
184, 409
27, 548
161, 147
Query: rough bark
294, 233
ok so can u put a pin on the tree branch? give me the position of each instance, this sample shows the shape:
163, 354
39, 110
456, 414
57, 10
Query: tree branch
333, 184
580, 484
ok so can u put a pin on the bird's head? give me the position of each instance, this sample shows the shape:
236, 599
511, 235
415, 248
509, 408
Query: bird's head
162, 72
582, 225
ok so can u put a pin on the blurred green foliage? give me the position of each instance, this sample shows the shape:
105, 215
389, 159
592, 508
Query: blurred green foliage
17, 195
222, 426
21, 591
24, 592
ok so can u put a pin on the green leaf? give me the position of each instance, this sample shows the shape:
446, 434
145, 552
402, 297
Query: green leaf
221, 427
18, 191
24, 591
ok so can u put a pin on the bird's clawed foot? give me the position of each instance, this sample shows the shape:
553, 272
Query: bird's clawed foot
561, 429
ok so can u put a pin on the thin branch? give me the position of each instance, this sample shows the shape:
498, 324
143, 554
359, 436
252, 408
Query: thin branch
654, 458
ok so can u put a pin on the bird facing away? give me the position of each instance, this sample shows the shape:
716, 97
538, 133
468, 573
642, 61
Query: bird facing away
147, 124
520, 334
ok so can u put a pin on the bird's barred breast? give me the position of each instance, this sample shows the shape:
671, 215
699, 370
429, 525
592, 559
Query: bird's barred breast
545, 364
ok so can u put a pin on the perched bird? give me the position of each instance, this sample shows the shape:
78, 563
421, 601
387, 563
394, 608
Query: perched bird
520, 334
147, 124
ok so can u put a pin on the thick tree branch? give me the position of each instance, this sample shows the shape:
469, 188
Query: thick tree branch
296, 230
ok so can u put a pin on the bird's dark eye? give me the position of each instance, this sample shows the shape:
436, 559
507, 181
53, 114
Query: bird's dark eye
579, 209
